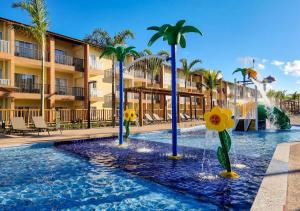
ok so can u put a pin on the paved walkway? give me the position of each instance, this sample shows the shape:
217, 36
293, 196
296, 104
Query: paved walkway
16, 140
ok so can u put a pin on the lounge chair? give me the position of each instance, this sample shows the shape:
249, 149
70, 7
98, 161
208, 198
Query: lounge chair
187, 116
149, 119
157, 118
182, 117
41, 125
18, 124
169, 116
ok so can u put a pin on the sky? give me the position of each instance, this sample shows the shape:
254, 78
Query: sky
234, 31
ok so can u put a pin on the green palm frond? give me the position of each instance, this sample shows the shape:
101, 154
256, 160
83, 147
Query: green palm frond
122, 36
172, 34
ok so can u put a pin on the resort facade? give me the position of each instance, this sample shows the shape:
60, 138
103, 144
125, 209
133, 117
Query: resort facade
75, 71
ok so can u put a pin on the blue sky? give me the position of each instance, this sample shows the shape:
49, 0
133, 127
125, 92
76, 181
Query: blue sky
234, 30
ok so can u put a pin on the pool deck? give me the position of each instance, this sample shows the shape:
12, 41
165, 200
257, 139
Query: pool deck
279, 189
17, 140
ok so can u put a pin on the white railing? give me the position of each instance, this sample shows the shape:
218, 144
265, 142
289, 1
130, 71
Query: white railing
95, 93
5, 82
96, 65
193, 84
139, 74
181, 82
64, 59
4, 46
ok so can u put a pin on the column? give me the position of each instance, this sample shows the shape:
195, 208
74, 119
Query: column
51, 73
141, 115
86, 75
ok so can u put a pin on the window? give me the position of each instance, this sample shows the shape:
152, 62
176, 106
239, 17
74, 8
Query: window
60, 56
0, 35
26, 49
61, 86
27, 83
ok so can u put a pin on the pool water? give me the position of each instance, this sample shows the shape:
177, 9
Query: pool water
253, 144
41, 177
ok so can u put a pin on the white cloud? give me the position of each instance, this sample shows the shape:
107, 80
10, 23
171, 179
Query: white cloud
292, 68
277, 63
298, 82
260, 66
264, 60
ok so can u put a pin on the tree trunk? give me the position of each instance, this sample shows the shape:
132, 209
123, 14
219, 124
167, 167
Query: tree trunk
185, 97
113, 95
43, 79
121, 109
174, 100
211, 100
152, 95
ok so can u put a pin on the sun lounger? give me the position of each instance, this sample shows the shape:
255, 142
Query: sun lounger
169, 116
157, 118
149, 119
182, 117
18, 124
41, 125
187, 116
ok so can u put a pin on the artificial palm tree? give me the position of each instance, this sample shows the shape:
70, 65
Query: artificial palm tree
103, 39
38, 14
120, 52
153, 66
174, 35
211, 79
187, 71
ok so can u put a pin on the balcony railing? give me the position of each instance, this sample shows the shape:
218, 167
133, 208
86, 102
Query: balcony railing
70, 61
28, 87
95, 65
64, 59
139, 74
95, 92
30, 53
4, 82
4, 46
73, 91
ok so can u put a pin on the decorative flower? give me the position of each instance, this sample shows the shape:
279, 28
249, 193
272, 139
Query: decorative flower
129, 115
218, 119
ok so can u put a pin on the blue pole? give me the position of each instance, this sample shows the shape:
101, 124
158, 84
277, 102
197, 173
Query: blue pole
121, 110
174, 101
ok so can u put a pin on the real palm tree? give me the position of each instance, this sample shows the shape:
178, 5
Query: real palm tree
211, 79
174, 35
103, 39
187, 71
280, 95
120, 52
153, 66
38, 14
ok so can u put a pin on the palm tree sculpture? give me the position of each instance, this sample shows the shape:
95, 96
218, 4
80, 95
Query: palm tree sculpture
211, 80
174, 35
38, 13
101, 38
187, 71
152, 66
120, 52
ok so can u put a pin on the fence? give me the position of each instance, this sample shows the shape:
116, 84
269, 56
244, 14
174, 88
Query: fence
66, 115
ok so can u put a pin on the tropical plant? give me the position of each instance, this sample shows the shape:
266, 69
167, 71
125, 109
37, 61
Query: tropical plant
211, 79
174, 35
120, 52
38, 13
103, 39
153, 66
280, 95
187, 71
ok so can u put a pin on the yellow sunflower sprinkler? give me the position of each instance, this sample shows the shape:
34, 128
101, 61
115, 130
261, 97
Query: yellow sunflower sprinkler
220, 119
129, 116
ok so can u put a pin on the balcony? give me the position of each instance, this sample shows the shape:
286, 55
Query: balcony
139, 74
29, 87
95, 92
77, 92
29, 53
70, 61
4, 46
4, 82
95, 65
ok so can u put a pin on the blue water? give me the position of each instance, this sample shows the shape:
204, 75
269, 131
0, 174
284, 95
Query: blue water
252, 144
41, 177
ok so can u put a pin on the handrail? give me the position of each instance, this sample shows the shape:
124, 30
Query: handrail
4, 46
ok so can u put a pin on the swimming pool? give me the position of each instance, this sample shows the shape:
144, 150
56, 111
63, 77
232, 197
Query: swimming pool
41, 177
